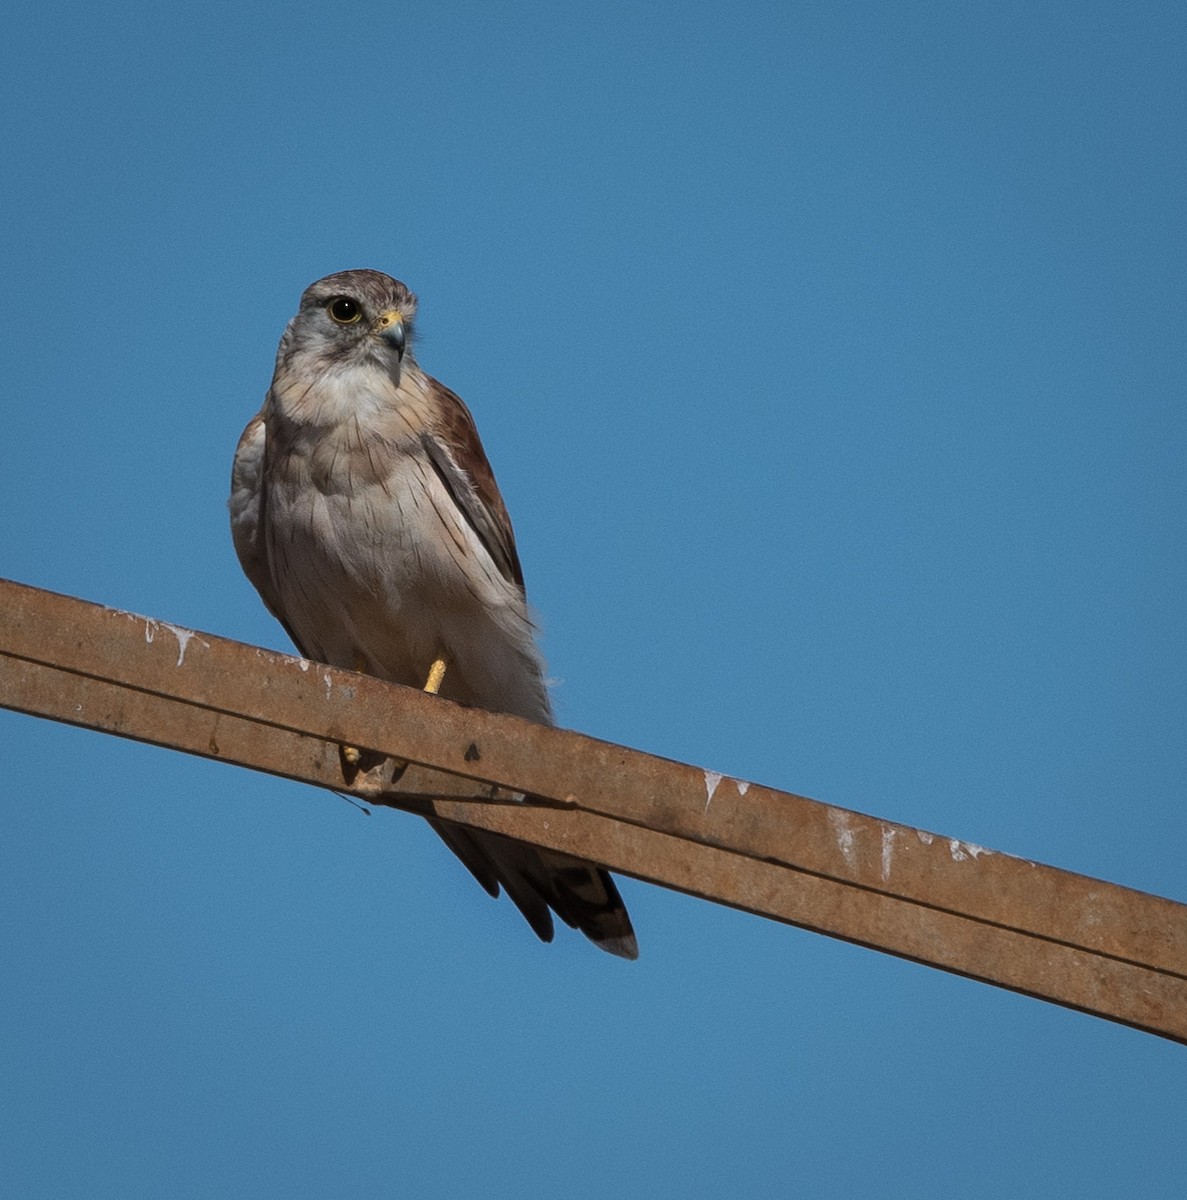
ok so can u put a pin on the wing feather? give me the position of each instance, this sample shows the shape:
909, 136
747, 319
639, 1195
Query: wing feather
247, 518
457, 456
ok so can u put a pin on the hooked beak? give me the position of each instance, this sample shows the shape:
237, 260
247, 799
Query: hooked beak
390, 327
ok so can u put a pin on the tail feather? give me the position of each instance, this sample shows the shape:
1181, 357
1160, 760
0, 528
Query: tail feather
582, 894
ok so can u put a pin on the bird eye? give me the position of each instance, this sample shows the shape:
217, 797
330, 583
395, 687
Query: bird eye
344, 310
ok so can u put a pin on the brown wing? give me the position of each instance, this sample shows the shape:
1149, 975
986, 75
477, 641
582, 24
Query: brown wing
582, 894
457, 456
247, 517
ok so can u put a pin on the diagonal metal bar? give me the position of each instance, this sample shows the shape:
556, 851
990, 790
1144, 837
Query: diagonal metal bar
1062, 937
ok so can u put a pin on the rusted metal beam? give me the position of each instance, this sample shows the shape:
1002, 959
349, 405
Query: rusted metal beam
1075, 941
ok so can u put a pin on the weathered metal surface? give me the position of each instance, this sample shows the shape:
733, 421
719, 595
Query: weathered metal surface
1076, 941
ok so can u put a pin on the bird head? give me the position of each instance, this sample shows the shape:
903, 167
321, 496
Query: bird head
353, 318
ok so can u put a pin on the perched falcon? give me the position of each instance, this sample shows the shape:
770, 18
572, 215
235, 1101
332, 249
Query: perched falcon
365, 513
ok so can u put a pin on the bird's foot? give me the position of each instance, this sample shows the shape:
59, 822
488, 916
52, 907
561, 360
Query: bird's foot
355, 761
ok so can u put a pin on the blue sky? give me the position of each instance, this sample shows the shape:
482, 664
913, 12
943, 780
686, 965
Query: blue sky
831, 358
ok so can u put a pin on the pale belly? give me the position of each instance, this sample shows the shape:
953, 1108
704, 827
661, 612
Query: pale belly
385, 578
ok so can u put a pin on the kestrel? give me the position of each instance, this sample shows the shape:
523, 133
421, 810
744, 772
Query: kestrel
364, 511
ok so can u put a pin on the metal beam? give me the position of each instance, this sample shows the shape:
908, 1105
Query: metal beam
1065, 938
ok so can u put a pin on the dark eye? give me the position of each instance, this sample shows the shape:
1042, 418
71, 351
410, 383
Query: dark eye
344, 310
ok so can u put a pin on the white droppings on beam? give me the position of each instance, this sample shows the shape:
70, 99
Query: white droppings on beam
712, 780
959, 851
183, 635
743, 786
887, 850
839, 819
963, 851
183, 640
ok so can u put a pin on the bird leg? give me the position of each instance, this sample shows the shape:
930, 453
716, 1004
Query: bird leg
352, 756
432, 687
436, 674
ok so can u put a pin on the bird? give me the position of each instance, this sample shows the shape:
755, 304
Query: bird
365, 513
